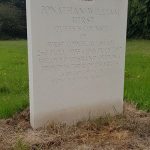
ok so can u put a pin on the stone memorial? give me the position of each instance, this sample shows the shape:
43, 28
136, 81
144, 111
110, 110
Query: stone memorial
76, 59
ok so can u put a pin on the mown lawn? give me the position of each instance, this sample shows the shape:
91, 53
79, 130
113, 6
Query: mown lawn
14, 77
137, 82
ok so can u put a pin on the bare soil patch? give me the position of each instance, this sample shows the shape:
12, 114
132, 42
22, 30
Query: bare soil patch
130, 131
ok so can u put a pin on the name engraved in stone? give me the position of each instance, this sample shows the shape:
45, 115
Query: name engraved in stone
53, 10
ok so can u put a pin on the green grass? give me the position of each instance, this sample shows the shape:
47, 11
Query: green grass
14, 75
137, 82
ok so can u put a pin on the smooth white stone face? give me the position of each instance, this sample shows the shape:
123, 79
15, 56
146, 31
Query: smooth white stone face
76, 58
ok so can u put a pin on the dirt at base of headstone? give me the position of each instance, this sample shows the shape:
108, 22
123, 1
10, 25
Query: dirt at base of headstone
130, 131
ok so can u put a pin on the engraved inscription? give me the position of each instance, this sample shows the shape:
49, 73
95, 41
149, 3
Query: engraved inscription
93, 28
53, 10
79, 59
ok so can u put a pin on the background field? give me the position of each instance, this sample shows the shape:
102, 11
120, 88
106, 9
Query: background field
137, 82
14, 75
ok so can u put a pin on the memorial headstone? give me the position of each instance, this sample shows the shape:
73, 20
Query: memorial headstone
76, 59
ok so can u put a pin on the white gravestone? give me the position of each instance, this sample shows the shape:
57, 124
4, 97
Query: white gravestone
76, 59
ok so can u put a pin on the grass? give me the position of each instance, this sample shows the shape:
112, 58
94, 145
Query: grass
14, 75
137, 82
